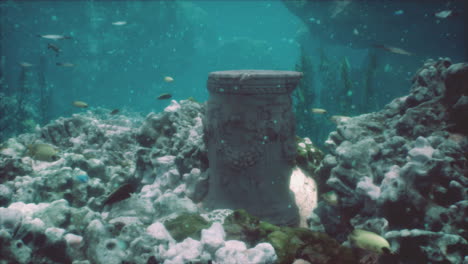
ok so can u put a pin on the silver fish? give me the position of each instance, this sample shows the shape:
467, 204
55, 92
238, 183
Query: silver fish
54, 37
119, 23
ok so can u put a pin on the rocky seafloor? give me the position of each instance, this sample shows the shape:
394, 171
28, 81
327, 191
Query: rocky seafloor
403, 172
400, 172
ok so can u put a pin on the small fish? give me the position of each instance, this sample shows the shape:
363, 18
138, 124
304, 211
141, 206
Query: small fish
80, 104
445, 14
122, 193
164, 96
115, 111
25, 64
337, 119
54, 37
168, 79
369, 241
65, 64
331, 198
43, 152
318, 111
119, 23
339, 7
55, 48
393, 50
399, 12
82, 178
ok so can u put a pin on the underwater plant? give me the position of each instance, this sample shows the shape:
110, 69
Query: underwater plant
45, 94
304, 96
369, 101
2, 72
23, 89
346, 92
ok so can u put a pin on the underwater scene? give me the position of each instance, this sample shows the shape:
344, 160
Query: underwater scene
234, 132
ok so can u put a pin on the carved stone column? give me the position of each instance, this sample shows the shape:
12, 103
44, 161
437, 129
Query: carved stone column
250, 136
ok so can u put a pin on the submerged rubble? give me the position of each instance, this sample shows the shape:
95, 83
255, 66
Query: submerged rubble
58, 212
402, 172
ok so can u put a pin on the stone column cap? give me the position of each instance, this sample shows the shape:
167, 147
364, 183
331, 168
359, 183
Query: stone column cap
253, 81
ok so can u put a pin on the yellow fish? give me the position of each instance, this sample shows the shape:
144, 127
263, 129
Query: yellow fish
331, 198
43, 152
80, 104
369, 241
318, 111
168, 79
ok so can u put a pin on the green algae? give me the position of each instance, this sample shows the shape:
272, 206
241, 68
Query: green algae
289, 242
308, 156
186, 225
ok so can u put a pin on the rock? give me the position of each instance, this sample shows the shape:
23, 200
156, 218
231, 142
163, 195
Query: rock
10, 221
187, 250
232, 252
196, 184
433, 246
109, 251
456, 82
168, 205
213, 238
171, 140
173, 107
57, 214
160, 233
261, 253
5, 195
74, 241
399, 173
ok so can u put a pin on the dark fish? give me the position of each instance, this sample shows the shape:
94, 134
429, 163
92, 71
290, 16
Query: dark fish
56, 49
122, 193
65, 64
25, 64
115, 111
393, 49
164, 96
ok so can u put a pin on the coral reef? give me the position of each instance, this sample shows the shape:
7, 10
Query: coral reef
56, 212
401, 172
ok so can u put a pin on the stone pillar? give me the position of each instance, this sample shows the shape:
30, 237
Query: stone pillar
250, 135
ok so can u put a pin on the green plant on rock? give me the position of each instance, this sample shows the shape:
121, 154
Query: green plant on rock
308, 156
240, 225
186, 225
289, 243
